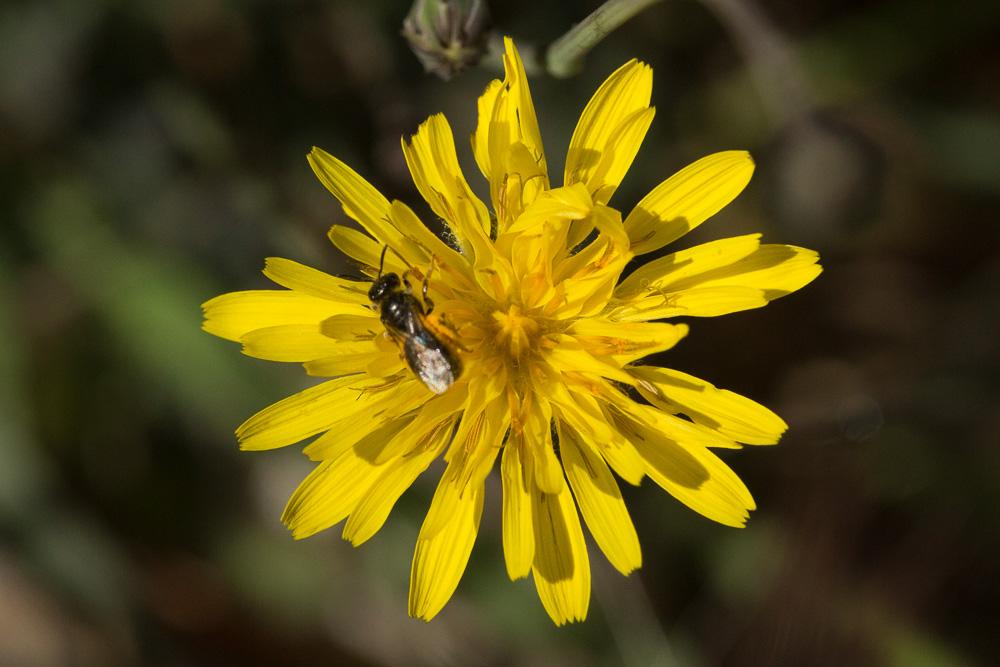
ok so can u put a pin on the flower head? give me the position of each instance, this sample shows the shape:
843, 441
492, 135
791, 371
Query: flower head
447, 35
546, 337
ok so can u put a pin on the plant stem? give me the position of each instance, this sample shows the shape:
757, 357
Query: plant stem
565, 55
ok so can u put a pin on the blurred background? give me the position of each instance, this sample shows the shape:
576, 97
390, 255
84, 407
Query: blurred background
153, 153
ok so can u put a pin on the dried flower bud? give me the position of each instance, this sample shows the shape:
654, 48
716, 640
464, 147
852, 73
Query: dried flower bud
447, 35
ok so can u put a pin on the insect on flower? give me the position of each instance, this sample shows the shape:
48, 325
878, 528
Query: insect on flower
405, 320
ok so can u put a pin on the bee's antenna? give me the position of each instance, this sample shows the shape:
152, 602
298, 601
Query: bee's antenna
386, 248
381, 261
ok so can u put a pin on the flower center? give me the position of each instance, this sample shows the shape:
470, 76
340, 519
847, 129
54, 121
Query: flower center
516, 333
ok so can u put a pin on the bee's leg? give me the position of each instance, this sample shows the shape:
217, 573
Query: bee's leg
405, 277
428, 304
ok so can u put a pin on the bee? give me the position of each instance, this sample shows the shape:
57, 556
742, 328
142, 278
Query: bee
405, 320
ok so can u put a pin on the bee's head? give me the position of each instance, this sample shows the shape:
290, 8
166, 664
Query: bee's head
383, 287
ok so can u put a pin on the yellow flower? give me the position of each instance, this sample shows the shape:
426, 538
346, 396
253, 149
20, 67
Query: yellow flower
550, 341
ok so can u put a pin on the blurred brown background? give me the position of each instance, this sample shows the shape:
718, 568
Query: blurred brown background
153, 153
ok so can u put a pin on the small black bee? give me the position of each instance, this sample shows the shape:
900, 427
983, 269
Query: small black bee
405, 320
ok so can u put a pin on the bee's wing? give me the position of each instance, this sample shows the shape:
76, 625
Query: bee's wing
431, 362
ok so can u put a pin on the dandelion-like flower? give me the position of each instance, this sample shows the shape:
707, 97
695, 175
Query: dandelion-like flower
547, 342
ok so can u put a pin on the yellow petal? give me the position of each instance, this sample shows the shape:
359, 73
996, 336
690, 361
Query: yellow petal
669, 425
481, 137
715, 301
384, 365
622, 456
623, 145
483, 392
235, 314
372, 426
392, 224
537, 234
359, 198
397, 476
564, 215
433, 163
722, 497
432, 413
484, 447
624, 460
714, 279
600, 503
776, 270
352, 328
297, 417
567, 203
507, 141
608, 222
580, 409
439, 559
434, 166
308, 280
328, 494
372, 436
365, 250
562, 568
473, 450
664, 273
569, 356
702, 302
519, 180
592, 425
362, 202
290, 342
613, 124
518, 534
548, 473
520, 110
318, 408
687, 199
695, 476
349, 357
403, 217
591, 274
625, 342
734, 416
